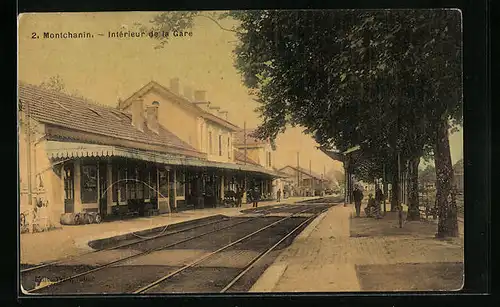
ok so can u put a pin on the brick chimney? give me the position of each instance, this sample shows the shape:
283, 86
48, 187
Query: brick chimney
214, 110
137, 110
223, 114
204, 105
152, 118
200, 96
175, 85
188, 92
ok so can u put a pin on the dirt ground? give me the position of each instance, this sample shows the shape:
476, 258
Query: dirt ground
445, 276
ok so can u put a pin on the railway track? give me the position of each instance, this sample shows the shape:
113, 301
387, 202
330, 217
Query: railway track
138, 240
168, 283
129, 243
140, 249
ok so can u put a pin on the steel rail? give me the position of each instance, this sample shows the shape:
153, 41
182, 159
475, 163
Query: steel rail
127, 244
158, 281
118, 246
265, 253
34, 290
131, 257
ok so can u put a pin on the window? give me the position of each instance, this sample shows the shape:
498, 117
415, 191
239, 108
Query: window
220, 145
180, 183
119, 181
139, 184
163, 184
269, 159
147, 180
89, 183
69, 189
130, 184
210, 145
150, 179
228, 149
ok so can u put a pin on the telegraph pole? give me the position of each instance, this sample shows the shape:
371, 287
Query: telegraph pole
298, 174
245, 140
400, 213
384, 185
323, 179
312, 179
245, 150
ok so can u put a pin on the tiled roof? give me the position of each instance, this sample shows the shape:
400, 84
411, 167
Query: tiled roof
240, 157
239, 138
63, 110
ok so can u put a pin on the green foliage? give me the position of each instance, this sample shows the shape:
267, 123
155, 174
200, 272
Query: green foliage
428, 175
55, 83
378, 79
168, 22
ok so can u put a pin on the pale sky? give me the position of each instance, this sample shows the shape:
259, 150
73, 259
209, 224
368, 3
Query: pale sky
105, 69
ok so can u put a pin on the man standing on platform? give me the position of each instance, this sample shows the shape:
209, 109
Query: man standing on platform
239, 196
379, 198
278, 194
255, 197
358, 197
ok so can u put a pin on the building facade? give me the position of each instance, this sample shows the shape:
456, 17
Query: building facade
260, 152
156, 151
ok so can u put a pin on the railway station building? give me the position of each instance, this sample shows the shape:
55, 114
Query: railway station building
157, 150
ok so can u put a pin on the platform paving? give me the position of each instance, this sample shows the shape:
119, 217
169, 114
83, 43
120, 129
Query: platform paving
340, 253
69, 240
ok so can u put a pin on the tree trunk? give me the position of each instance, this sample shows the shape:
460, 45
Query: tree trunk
395, 188
413, 204
386, 190
445, 196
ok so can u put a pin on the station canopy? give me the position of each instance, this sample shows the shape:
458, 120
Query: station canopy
353, 158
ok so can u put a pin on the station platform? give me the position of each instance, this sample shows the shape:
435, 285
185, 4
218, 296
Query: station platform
340, 253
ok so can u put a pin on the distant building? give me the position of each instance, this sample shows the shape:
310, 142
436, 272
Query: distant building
260, 152
305, 182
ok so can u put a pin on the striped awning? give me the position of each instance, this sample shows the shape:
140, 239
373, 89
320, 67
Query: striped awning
65, 150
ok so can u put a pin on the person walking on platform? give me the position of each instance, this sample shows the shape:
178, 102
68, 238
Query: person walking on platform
278, 194
379, 198
255, 197
371, 206
239, 196
358, 197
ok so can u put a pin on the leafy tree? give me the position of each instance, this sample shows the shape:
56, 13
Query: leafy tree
374, 79
56, 83
428, 175
389, 81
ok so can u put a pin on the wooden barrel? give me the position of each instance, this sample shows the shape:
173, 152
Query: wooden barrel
89, 218
68, 219
97, 218
79, 218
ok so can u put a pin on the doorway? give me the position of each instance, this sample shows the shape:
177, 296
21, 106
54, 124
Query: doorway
69, 188
103, 185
